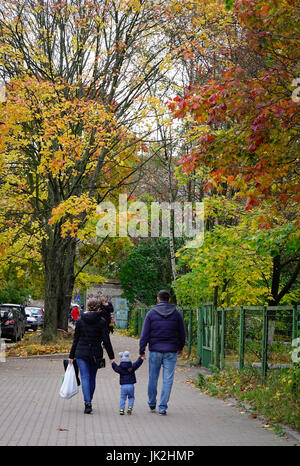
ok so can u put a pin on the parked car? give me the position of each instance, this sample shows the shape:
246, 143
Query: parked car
31, 322
12, 317
37, 313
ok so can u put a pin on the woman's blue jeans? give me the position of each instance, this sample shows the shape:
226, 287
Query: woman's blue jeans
88, 371
168, 362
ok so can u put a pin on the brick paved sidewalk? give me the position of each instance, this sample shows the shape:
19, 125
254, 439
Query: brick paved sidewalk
32, 412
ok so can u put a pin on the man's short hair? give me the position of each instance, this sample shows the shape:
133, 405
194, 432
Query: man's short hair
163, 295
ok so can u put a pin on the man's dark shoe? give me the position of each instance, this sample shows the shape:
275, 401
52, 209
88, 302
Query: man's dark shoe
163, 413
152, 408
88, 408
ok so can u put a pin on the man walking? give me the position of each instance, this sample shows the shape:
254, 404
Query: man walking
164, 331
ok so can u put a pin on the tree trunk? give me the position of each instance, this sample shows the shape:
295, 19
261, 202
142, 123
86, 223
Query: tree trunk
274, 300
51, 291
67, 285
59, 258
172, 246
275, 280
215, 298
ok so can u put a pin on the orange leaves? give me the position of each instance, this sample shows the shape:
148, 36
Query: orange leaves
60, 128
57, 214
265, 9
70, 211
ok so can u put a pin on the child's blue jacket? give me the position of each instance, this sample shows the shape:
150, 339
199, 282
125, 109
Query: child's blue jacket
127, 371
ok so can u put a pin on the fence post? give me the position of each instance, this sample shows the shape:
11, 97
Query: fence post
217, 339
264, 363
200, 334
295, 322
190, 332
223, 332
144, 312
242, 338
136, 322
139, 321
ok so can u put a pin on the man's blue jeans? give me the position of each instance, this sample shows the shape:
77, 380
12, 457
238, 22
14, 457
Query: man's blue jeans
127, 390
88, 371
168, 362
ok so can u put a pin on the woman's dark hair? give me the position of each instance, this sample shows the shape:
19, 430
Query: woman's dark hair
93, 304
163, 295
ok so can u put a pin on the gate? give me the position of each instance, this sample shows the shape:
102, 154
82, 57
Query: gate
206, 317
121, 313
215, 333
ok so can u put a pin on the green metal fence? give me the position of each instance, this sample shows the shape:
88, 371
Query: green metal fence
257, 335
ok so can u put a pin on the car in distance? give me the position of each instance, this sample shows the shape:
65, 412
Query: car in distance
12, 317
37, 313
31, 322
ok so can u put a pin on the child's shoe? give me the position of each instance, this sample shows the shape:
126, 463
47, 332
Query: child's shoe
122, 412
129, 410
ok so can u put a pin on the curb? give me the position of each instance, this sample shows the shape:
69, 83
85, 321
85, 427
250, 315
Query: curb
39, 356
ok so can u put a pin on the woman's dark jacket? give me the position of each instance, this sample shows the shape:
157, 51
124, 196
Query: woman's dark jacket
106, 312
90, 332
127, 371
108, 308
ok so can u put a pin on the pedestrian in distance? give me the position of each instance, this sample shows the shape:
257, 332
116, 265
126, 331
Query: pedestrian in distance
107, 309
75, 313
81, 310
90, 332
164, 332
127, 369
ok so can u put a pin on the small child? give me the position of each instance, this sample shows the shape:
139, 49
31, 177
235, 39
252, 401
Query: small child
127, 379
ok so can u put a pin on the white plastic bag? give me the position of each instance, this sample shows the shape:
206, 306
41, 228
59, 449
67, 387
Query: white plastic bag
69, 386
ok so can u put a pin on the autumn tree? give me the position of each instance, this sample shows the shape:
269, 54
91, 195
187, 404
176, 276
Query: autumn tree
245, 127
235, 264
246, 120
76, 75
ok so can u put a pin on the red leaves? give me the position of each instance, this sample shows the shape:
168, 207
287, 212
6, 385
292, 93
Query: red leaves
207, 138
264, 226
212, 99
251, 202
252, 118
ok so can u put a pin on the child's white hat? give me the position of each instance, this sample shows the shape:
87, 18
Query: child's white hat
125, 356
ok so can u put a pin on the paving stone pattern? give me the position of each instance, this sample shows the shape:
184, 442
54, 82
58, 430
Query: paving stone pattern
33, 414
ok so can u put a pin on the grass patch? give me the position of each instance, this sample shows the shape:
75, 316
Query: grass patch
126, 332
276, 398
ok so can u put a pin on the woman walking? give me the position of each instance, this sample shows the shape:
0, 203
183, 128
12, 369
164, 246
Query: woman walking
75, 314
90, 332
107, 309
